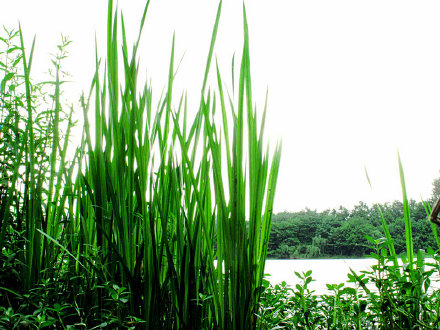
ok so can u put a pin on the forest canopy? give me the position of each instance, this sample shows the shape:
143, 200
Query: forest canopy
341, 232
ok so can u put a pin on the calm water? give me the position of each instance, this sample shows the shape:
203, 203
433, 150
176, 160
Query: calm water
331, 271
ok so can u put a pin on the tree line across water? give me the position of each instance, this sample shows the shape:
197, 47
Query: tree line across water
341, 232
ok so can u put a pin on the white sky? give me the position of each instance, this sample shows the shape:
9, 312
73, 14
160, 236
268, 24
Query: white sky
350, 82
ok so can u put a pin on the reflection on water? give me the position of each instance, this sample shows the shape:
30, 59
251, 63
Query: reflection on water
324, 271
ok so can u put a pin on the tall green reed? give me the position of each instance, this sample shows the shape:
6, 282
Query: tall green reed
143, 206
146, 202
242, 252
34, 166
403, 282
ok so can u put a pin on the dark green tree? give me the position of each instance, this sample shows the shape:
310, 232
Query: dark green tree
435, 190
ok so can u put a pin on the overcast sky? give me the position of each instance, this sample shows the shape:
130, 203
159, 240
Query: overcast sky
350, 82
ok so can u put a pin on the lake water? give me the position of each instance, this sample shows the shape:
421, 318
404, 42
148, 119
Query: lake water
324, 271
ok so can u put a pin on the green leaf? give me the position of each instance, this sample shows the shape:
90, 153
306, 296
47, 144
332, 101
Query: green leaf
17, 60
7, 77
13, 49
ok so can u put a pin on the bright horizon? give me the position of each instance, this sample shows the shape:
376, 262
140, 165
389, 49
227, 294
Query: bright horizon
350, 82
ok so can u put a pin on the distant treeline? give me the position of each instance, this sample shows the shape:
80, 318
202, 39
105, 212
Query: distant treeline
341, 232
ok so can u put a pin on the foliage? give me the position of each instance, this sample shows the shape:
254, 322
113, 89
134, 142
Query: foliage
31, 197
383, 297
396, 293
138, 228
435, 191
341, 232
157, 221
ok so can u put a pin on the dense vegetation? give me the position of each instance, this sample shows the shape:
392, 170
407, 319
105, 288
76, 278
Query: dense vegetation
143, 225
157, 221
341, 232
390, 295
397, 292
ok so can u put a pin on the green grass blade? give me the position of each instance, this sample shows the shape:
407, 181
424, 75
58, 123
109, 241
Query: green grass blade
408, 229
385, 228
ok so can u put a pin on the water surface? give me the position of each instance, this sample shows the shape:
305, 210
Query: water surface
324, 271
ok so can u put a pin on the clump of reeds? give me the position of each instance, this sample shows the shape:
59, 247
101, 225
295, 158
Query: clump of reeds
165, 218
